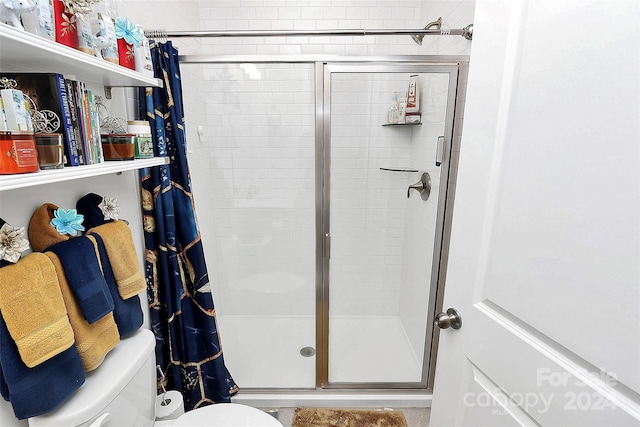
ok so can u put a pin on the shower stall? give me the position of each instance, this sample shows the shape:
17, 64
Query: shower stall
328, 259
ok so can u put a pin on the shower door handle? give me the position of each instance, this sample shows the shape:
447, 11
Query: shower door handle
439, 150
423, 186
327, 246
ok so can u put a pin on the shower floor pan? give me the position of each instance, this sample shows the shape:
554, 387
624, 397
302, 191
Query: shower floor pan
265, 351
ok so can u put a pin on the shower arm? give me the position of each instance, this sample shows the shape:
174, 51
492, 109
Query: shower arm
466, 32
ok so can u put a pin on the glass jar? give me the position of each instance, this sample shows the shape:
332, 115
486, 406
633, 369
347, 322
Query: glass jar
118, 146
144, 142
50, 150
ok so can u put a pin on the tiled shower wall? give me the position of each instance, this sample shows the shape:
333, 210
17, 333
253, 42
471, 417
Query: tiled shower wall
332, 14
261, 188
309, 15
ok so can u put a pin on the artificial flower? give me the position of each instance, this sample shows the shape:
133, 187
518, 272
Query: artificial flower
67, 221
127, 30
12, 244
78, 8
68, 24
109, 207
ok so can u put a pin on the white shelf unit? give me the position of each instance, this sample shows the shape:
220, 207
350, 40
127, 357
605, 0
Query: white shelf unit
23, 52
12, 182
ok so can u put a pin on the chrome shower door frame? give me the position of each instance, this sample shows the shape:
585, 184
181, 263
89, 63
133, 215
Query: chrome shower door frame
456, 68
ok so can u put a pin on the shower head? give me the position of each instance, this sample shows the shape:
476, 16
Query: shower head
418, 37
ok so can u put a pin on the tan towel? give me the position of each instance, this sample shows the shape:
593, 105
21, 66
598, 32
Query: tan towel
95, 340
33, 309
41, 233
121, 251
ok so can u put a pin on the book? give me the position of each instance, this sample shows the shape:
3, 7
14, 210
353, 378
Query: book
76, 90
89, 122
69, 133
45, 93
73, 110
95, 127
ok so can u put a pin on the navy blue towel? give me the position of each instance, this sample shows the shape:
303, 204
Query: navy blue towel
93, 215
82, 270
41, 389
127, 313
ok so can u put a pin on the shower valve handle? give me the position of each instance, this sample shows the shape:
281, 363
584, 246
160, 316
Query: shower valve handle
423, 187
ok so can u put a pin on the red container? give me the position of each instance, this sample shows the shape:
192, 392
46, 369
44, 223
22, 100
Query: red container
126, 54
18, 153
65, 25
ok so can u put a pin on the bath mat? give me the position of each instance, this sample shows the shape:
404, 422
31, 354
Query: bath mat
324, 417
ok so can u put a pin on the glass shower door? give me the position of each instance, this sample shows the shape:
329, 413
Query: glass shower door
384, 238
261, 220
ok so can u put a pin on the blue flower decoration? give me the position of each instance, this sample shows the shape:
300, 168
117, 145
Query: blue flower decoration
67, 222
127, 30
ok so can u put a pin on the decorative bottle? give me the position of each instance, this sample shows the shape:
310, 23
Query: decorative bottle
142, 53
413, 95
393, 110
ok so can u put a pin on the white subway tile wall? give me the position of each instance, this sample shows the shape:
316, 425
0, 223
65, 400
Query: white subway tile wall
382, 241
262, 179
333, 14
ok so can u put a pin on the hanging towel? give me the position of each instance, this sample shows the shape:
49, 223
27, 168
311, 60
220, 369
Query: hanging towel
82, 271
41, 389
93, 206
41, 233
121, 251
94, 340
33, 309
127, 313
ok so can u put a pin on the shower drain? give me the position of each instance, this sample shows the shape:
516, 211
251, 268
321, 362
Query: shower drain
307, 351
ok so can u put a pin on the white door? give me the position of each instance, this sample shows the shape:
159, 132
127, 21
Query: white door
544, 265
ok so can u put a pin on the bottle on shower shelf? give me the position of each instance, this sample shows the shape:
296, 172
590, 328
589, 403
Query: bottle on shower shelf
402, 111
393, 110
413, 95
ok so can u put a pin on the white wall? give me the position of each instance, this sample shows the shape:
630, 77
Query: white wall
333, 14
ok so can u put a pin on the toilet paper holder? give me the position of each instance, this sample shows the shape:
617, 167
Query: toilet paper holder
165, 401
169, 404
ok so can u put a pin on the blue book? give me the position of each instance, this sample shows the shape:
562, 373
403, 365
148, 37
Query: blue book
69, 133
73, 109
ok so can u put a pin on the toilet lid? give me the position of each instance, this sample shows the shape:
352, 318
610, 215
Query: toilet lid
227, 415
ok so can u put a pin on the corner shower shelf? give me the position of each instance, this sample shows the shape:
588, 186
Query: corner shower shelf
402, 124
22, 52
12, 182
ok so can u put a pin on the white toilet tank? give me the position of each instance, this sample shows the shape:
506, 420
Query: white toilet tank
124, 387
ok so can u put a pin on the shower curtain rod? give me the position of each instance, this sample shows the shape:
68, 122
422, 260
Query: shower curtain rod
466, 32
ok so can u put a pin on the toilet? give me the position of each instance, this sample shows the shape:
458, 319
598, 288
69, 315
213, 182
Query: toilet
122, 392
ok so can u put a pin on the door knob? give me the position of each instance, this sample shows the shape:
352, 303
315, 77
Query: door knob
449, 319
423, 186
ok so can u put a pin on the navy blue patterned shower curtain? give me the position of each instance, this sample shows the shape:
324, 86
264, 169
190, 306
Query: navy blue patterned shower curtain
182, 311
